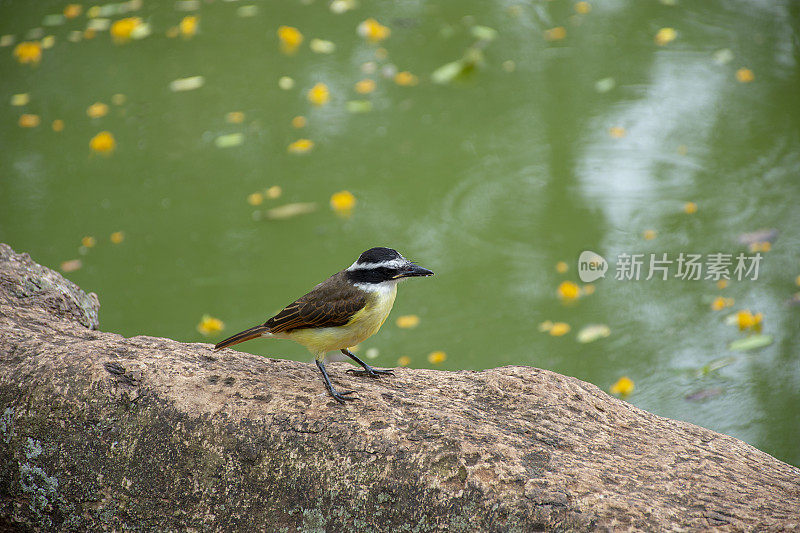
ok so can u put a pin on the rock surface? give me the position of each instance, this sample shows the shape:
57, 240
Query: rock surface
100, 432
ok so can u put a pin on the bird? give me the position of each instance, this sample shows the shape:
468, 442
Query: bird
340, 312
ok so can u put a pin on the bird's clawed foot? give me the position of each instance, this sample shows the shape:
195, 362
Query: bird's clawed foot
341, 397
369, 371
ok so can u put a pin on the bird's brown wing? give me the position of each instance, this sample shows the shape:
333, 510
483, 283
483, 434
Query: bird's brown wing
331, 303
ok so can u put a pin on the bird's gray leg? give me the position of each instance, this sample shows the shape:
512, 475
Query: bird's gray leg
368, 370
340, 397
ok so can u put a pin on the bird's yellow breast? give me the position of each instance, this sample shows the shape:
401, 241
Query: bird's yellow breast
364, 323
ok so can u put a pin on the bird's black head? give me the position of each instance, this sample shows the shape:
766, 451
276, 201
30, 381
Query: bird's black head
378, 255
380, 265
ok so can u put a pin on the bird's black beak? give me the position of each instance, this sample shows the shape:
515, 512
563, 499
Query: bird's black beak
412, 270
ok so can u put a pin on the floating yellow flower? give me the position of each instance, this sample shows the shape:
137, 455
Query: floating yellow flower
616, 132
407, 321
273, 192
373, 31
555, 34
405, 79
58, 125
209, 325
72, 10
583, 8
690, 208
760, 246
97, 110
103, 143
437, 357
234, 117
797, 281
299, 122
745, 75
365, 86
546, 326
28, 52
88, 241
188, 26
665, 36
122, 29
117, 237
301, 146
561, 267
343, 202
255, 199
649, 234
559, 329
72, 265
588, 289
319, 94
747, 320
720, 303
290, 39
403, 360
28, 121
721, 284
623, 387
568, 290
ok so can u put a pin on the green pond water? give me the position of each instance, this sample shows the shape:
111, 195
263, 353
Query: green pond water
539, 150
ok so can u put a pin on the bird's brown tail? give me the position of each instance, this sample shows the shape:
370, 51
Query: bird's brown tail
242, 336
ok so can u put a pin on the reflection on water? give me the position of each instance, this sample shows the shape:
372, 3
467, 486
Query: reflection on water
574, 130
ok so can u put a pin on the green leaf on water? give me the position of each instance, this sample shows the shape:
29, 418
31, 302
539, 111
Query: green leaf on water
53, 20
715, 365
751, 343
187, 84
593, 332
604, 85
447, 72
247, 11
229, 140
484, 33
359, 106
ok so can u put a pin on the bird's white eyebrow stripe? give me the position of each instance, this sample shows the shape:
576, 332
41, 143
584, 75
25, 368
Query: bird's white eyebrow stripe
394, 263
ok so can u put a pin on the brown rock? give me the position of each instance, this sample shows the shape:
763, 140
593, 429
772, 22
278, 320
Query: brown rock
100, 432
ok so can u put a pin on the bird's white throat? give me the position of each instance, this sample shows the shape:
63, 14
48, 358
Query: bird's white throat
384, 287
